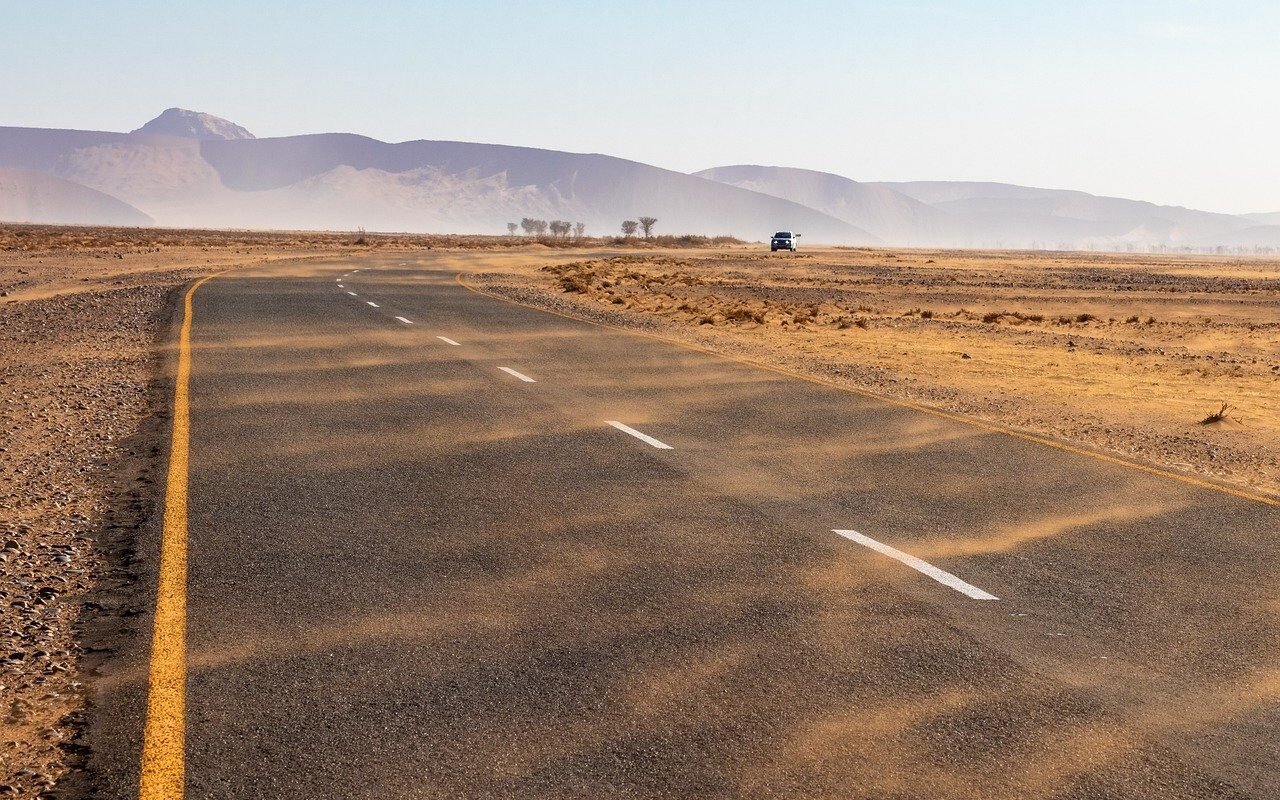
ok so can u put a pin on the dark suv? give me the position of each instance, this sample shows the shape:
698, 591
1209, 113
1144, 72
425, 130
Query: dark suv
783, 240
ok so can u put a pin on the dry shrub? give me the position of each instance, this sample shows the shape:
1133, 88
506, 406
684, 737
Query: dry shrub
1217, 416
1019, 316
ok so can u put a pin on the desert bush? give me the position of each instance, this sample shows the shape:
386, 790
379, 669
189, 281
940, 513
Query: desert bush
745, 315
1217, 416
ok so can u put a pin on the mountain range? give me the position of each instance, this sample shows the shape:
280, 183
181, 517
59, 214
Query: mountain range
190, 169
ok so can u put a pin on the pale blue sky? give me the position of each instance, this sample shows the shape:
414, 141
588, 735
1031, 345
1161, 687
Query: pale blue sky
1173, 101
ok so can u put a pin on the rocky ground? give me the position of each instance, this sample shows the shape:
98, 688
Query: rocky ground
1134, 355
82, 312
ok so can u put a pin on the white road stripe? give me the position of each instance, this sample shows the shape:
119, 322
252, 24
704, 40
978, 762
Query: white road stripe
405, 321
353, 294
642, 437
375, 305
511, 371
340, 286
941, 576
447, 340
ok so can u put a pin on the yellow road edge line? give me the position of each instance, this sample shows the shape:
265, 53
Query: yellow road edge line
163, 769
937, 412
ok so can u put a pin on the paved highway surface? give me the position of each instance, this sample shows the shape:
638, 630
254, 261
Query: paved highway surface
442, 545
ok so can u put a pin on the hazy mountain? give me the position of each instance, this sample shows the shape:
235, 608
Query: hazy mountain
1264, 219
193, 125
29, 196
183, 177
185, 168
893, 217
1256, 236
1018, 216
972, 214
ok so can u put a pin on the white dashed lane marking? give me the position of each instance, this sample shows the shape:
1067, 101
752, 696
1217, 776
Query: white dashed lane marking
447, 340
405, 321
642, 437
353, 294
511, 371
375, 305
920, 565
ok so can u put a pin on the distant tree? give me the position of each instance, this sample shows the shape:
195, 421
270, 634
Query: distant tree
579, 230
511, 228
540, 226
629, 227
529, 225
560, 228
646, 225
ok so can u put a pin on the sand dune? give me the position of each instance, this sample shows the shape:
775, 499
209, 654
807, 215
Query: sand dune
29, 196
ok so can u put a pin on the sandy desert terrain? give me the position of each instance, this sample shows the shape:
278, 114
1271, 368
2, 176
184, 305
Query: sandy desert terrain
1122, 354
1169, 360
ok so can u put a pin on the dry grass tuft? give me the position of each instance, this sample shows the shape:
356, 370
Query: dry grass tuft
1217, 416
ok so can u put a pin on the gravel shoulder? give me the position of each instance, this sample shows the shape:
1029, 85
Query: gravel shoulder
86, 317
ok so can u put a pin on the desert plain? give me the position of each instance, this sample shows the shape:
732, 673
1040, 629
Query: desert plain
1167, 361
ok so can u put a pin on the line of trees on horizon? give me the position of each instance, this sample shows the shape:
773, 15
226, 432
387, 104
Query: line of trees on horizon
559, 229
645, 224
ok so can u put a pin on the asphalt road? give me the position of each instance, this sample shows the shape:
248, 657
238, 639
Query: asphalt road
415, 574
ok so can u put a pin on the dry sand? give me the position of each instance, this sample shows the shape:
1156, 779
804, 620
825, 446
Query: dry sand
1120, 353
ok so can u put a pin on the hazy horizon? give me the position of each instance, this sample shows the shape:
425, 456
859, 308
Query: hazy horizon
1128, 101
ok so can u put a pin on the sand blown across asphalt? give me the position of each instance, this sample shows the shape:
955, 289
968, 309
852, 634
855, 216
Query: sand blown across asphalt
1124, 353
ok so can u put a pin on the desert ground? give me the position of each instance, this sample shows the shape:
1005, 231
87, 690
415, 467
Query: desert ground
84, 326
1168, 361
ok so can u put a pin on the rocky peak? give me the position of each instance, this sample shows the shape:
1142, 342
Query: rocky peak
193, 125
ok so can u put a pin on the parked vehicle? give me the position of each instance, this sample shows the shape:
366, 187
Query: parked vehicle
783, 240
